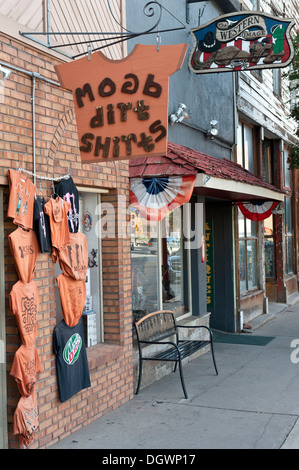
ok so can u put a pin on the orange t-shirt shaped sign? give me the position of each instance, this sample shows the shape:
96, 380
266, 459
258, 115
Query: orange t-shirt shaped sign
122, 105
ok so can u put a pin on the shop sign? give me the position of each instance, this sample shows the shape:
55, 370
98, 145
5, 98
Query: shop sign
121, 106
242, 41
209, 264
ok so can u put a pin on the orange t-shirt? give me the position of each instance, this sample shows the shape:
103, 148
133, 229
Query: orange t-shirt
72, 298
57, 210
26, 419
21, 199
24, 303
26, 365
24, 248
73, 258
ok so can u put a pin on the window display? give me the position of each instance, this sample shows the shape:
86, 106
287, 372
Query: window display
288, 236
247, 253
269, 248
159, 265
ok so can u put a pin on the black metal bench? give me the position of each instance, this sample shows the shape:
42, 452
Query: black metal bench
158, 326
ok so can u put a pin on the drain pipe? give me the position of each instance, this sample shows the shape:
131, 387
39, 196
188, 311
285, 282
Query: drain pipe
30, 74
33, 127
34, 76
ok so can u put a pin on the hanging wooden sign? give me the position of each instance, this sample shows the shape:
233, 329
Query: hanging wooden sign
121, 106
241, 41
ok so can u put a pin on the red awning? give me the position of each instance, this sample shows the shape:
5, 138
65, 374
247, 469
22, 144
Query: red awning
215, 177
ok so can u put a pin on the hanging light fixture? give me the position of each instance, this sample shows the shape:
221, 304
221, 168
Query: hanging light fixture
180, 114
211, 133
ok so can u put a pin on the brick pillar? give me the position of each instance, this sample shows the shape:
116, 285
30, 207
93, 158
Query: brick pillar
116, 262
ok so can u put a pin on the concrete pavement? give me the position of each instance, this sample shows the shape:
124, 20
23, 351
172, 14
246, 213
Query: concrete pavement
252, 404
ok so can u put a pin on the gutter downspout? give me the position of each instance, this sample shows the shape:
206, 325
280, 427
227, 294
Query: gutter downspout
33, 76
33, 127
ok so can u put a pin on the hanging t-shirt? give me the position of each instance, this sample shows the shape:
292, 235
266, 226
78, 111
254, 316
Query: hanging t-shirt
72, 298
57, 210
26, 419
21, 199
73, 259
24, 303
71, 359
42, 225
26, 365
67, 190
24, 249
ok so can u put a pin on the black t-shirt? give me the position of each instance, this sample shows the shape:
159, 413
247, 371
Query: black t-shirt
67, 190
42, 225
71, 359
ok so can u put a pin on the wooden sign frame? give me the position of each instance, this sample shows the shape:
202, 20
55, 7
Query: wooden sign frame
241, 41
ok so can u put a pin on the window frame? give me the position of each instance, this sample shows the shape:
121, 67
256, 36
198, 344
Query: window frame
159, 260
287, 177
247, 239
268, 157
268, 237
97, 219
288, 236
240, 146
100, 314
277, 82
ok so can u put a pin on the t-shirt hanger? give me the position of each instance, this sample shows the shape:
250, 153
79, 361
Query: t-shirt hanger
41, 177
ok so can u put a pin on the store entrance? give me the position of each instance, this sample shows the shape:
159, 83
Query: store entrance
3, 395
220, 265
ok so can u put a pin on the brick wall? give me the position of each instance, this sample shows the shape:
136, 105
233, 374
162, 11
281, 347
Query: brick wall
110, 363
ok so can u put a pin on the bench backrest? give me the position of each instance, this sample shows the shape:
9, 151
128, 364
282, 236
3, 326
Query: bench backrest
156, 325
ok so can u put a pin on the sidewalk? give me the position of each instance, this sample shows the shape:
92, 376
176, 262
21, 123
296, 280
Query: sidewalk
252, 404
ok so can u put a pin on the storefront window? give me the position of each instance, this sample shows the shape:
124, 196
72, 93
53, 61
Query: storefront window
92, 312
245, 146
288, 237
159, 265
267, 168
247, 253
269, 248
144, 265
287, 171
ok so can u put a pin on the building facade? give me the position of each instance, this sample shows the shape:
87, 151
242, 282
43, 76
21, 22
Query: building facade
248, 264
264, 117
204, 261
38, 134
